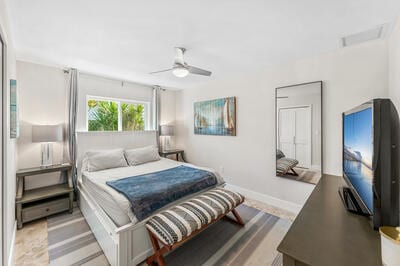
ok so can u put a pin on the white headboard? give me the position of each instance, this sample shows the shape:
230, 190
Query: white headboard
108, 140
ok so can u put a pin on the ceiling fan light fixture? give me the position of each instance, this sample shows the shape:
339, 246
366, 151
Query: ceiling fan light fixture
180, 72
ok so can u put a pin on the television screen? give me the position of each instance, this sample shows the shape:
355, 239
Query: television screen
357, 153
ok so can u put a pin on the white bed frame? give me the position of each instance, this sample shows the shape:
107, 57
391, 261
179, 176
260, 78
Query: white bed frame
129, 244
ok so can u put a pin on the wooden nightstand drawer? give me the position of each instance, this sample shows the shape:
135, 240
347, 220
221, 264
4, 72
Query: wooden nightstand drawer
39, 210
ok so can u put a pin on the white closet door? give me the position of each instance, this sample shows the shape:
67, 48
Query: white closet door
287, 131
302, 136
294, 134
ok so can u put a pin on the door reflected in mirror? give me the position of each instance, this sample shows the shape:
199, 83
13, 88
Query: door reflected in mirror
298, 132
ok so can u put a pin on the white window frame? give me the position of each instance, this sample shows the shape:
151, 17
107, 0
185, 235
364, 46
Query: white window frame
119, 101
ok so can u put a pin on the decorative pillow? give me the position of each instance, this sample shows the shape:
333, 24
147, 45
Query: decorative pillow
142, 155
279, 154
105, 159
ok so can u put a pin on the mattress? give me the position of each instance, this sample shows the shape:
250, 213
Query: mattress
115, 204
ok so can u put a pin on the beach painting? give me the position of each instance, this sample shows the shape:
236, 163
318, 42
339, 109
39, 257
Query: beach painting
14, 126
215, 117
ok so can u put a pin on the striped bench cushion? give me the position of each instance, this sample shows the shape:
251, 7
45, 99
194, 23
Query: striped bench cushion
283, 165
173, 225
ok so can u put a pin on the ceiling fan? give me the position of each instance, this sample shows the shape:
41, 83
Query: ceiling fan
180, 68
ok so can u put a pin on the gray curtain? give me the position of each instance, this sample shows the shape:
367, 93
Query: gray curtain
72, 106
156, 111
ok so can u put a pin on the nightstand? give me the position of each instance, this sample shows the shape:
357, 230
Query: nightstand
41, 202
177, 152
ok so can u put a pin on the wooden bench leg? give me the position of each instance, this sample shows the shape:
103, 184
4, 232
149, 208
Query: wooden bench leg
237, 216
237, 219
157, 252
294, 172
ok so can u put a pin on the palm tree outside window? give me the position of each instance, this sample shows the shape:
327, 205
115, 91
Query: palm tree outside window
116, 115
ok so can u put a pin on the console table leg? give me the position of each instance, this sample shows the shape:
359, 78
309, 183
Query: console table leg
71, 202
19, 215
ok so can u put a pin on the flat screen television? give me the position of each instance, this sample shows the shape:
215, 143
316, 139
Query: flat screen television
371, 140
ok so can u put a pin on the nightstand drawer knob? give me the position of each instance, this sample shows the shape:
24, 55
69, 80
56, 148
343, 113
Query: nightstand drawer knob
47, 209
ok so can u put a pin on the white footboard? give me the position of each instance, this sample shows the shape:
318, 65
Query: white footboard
124, 246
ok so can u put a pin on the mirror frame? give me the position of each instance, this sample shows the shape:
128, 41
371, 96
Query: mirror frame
322, 125
3, 135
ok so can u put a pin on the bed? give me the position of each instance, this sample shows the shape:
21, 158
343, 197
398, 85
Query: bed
120, 233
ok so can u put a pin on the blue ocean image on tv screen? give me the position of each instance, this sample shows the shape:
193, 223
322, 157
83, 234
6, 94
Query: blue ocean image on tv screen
358, 149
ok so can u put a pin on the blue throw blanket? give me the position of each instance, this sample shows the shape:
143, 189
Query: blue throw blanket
150, 192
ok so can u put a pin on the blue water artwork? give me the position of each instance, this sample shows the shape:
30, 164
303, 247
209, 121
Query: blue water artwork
358, 150
215, 117
14, 123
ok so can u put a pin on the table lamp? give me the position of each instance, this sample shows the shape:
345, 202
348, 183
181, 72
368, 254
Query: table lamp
166, 132
47, 134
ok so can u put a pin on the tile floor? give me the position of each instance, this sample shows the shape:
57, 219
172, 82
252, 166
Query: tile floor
31, 244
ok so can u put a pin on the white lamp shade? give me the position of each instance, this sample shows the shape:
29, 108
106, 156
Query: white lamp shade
167, 130
180, 72
47, 133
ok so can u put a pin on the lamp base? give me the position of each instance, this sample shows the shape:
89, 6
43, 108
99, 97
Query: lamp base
47, 155
166, 143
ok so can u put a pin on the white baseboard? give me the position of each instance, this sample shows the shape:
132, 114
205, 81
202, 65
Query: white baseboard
315, 167
283, 204
12, 247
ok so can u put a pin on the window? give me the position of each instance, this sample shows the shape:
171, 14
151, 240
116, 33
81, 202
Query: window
106, 114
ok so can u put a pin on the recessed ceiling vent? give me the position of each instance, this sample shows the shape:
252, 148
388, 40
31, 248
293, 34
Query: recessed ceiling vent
365, 36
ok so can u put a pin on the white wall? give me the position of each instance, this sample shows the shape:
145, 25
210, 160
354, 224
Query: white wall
43, 93
10, 154
167, 114
167, 107
351, 76
394, 65
42, 100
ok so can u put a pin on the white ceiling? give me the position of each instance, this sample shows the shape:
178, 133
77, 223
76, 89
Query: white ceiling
127, 39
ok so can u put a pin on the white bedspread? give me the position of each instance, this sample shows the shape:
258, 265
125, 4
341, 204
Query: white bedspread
114, 203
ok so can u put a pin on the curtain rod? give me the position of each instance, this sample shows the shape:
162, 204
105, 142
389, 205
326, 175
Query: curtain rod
66, 71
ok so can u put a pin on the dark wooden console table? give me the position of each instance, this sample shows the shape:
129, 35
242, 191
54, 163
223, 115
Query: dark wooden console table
324, 233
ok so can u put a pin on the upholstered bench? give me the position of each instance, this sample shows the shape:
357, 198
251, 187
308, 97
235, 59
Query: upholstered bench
178, 224
284, 165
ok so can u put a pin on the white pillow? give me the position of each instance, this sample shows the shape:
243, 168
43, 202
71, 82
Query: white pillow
142, 155
105, 159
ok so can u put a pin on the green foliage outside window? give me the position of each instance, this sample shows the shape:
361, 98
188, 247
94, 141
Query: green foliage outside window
103, 116
132, 116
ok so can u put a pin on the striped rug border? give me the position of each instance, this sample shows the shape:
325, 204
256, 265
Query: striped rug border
70, 240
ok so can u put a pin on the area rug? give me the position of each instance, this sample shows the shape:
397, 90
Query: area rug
225, 243
71, 242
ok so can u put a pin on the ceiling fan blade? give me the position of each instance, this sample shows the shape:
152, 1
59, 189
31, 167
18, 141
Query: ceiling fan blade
179, 51
198, 71
165, 70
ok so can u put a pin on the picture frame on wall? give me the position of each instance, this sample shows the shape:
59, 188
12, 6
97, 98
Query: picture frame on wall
215, 117
14, 123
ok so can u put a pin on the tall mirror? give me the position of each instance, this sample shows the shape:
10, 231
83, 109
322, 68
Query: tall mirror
298, 132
